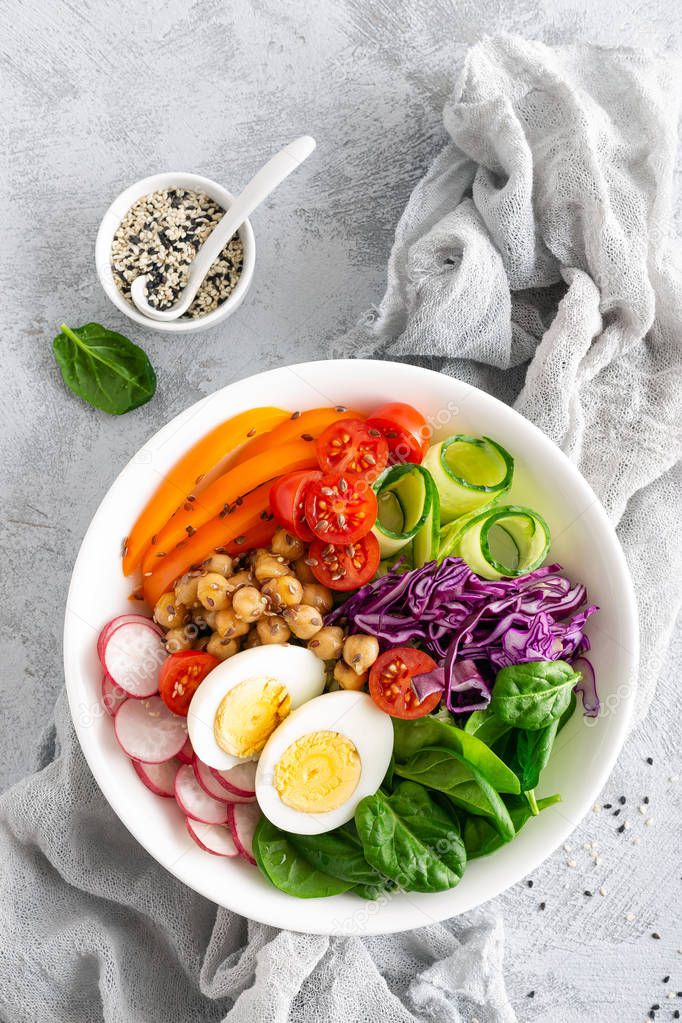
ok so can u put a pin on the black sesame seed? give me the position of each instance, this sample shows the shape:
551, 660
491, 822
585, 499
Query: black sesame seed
646, 800
666, 978
542, 905
531, 994
608, 806
622, 800
616, 812
655, 1006
676, 1014
656, 935
529, 883
621, 829
588, 893
651, 1014
649, 761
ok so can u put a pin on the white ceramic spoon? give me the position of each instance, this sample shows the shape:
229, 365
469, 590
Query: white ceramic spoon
259, 188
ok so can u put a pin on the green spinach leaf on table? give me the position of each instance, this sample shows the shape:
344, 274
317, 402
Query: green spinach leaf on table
104, 368
410, 839
534, 694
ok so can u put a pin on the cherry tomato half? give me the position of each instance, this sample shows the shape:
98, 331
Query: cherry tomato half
287, 499
405, 429
180, 676
351, 448
345, 566
340, 509
389, 682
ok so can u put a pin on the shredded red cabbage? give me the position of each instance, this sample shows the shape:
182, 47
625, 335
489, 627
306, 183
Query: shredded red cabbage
457, 617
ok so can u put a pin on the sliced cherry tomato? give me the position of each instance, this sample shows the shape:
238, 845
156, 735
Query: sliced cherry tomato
287, 501
405, 429
351, 448
340, 509
389, 682
345, 566
180, 676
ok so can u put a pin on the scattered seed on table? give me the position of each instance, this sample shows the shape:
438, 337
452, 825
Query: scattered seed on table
649, 761
602, 890
645, 800
616, 812
531, 994
588, 893
621, 829
543, 905
608, 806
676, 1014
656, 935
622, 800
529, 883
666, 978
160, 235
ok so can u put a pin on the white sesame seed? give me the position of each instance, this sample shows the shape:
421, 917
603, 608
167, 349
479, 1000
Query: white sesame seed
630, 917
602, 890
648, 822
642, 808
571, 863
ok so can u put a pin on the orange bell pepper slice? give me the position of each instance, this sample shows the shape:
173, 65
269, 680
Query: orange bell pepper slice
311, 423
201, 458
219, 535
240, 480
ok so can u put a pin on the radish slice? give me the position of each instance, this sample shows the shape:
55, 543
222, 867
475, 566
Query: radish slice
147, 730
209, 784
111, 626
133, 654
159, 778
239, 780
194, 801
186, 754
213, 838
112, 695
243, 818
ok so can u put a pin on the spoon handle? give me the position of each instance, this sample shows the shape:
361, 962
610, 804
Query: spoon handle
258, 189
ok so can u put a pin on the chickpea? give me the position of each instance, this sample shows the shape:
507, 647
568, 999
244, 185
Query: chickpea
318, 596
327, 644
168, 613
347, 678
286, 545
178, 639
227, 625
220, 563
186, 590
212, 591
285, 591
248, 604
303, 571
267, 566
304, 621
204, 619
253, 639
273, 629
242, 578
222, 648
360, 652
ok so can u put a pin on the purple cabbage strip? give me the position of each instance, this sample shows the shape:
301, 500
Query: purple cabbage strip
467, 690
458, 617
427, 683
587, 687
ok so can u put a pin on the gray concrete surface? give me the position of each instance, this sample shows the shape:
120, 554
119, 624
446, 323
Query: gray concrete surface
97, 95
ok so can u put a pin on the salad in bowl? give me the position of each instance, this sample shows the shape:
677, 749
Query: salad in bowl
349, 652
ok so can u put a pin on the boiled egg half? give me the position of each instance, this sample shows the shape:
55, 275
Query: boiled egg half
320, 762
242, 701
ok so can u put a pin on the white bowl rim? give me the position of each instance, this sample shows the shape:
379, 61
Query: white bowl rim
297, 915
112, 218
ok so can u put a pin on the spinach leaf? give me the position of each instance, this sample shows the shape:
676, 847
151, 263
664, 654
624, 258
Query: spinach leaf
486, 726
412, 736
338, 853
287, 869
568, 713
481, 838
104, 368
533, 750
410, 839
534, 694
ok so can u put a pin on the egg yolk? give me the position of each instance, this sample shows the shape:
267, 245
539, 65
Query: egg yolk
248, 714
318, 772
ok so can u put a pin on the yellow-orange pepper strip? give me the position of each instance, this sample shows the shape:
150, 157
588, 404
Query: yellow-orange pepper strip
216, 536
201, 458
233, 485
310, 423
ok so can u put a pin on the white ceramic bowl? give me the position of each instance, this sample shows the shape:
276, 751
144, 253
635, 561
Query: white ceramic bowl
115, 214
583, 542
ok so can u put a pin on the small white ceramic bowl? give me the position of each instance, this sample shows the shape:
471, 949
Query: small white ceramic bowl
115, 214
583, 541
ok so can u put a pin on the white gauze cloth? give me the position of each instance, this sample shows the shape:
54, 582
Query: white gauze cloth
536, 248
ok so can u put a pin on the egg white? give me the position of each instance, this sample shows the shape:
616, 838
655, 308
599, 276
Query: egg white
354, 715
293, 666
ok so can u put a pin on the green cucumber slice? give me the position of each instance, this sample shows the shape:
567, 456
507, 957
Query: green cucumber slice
502, 541
469, 472
426, 542
404, 501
